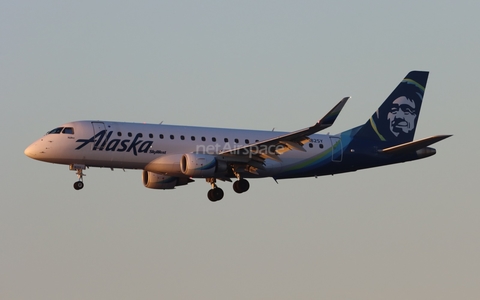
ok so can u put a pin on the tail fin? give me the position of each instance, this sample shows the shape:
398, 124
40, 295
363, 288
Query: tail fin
396, 119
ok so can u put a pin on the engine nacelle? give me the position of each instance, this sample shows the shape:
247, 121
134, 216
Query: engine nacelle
159, 181
201, 165
168, 164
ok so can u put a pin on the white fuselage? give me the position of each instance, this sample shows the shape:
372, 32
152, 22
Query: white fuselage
157, 147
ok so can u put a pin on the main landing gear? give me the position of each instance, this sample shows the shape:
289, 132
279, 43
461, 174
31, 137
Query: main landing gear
241, 186
215, 194
79, 168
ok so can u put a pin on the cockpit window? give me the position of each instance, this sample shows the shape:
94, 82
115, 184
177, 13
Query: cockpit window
56, 130
68, 130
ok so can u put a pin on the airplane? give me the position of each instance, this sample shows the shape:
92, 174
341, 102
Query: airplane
172, 156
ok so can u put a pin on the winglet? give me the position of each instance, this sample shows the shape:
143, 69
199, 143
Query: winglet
331, 116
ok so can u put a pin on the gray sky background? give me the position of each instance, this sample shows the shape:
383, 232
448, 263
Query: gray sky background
408, 231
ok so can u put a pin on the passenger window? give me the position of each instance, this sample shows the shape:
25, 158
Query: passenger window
193, 138
310, 145
214, 139
247, 141
150, 135
119, 133
236, 141
182, 137
225, 140
161, 136
129, 134
321, 146
172, 136
140, 134
68, 130
203, 138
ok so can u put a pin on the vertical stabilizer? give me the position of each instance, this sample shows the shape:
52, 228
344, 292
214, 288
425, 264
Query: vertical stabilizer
396, 119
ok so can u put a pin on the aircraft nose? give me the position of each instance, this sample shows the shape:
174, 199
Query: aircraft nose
31, 151
28, 151
39, 150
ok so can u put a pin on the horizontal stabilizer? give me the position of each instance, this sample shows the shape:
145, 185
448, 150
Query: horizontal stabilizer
414, 146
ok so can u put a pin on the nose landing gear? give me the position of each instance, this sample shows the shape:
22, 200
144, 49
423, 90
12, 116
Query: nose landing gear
79, 168
78, 185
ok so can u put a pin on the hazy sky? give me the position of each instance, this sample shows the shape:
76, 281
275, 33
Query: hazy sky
408, 231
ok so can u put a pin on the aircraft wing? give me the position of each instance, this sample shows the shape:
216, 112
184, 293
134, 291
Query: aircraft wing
272, 148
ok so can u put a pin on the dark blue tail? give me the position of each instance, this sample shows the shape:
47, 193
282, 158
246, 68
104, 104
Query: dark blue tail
396, 119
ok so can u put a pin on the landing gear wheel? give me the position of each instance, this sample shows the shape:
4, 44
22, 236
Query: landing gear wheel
210, 196
215, 194
218, 193
78, 185
241, 186
79, 168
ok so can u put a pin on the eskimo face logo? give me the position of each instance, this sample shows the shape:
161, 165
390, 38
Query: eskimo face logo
402, 115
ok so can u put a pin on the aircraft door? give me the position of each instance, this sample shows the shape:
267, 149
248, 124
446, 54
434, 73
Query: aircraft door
337, 149
97, 127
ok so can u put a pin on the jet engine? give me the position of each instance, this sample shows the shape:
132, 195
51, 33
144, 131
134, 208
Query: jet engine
201, 165
159, 181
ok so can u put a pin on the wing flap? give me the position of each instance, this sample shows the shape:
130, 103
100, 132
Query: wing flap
294, 145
